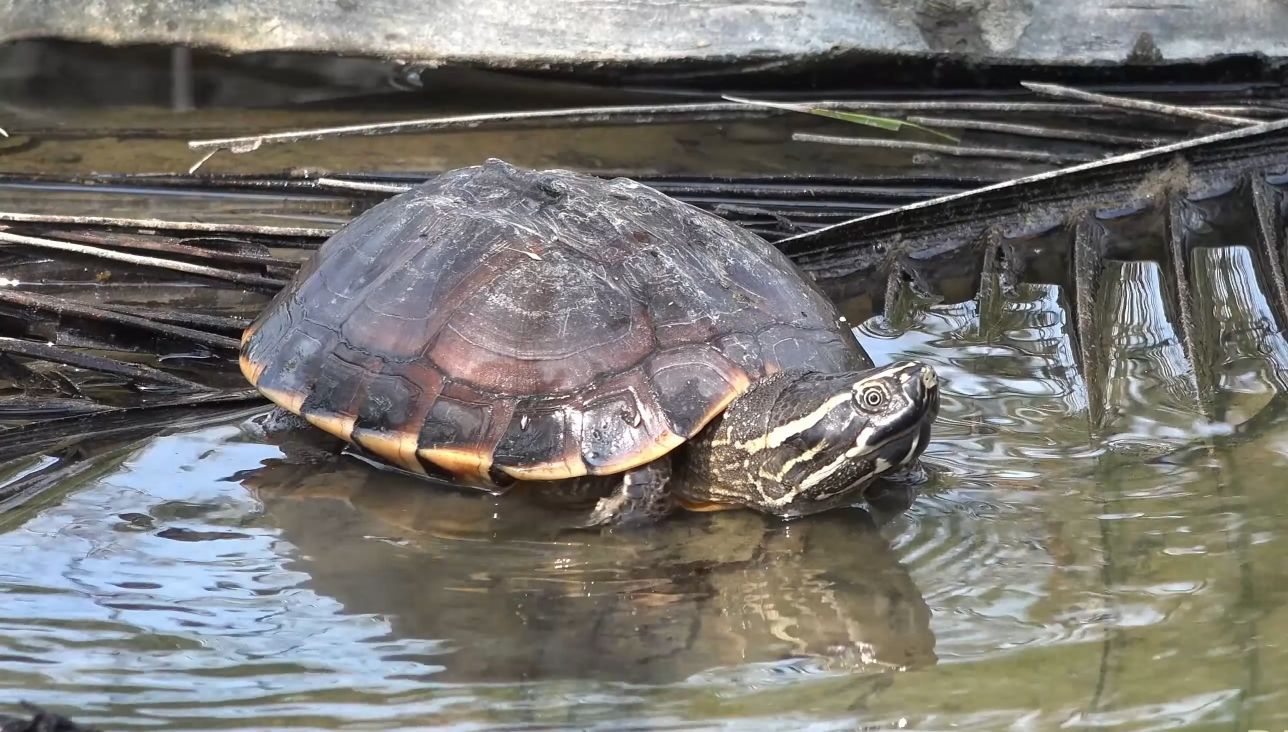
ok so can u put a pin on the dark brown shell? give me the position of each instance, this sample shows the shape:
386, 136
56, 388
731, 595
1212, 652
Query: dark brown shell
537, 324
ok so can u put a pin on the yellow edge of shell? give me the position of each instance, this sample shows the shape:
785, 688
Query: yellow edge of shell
461, 462
398, 448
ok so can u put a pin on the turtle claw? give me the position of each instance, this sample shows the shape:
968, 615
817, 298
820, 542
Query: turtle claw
276, 421
607, 512
298, 439
640, 499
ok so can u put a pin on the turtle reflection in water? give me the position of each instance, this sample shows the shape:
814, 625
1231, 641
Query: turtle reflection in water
498, 325
511, 597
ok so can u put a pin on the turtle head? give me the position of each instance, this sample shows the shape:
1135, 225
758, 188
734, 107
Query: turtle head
896, 406
827, 436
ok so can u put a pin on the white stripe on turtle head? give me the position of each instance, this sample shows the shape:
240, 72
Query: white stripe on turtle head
787, 430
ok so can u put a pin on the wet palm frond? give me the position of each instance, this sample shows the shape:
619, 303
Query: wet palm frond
1060, 228
126, 423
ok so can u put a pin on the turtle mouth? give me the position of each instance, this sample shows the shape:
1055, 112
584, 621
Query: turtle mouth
932, 400
923, 389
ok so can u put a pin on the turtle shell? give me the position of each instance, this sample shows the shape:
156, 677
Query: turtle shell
497, 323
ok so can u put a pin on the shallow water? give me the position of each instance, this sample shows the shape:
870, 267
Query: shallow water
1044, 578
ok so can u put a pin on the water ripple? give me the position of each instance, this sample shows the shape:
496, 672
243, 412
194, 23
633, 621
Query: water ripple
1044, 579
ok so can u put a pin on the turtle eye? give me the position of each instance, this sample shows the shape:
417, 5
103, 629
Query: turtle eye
872, 398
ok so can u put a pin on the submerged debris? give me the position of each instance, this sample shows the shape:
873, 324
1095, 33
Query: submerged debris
41, 721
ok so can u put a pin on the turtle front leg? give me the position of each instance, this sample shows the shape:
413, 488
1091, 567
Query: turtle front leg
641, 498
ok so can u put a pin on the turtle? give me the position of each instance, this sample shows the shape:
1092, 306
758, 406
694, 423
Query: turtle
498, 326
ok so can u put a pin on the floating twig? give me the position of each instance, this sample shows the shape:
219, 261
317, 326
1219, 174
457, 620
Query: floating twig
197, 321
286, 232
168, 245
357, 185
734, 185
78, 359
710, 192
62, 306
24, 407
1033, 156
141, 261
1039, 131
814, 187
202, 161
1138, 105
729, 210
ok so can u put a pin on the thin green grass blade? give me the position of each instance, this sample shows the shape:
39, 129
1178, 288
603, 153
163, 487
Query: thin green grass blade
884, 123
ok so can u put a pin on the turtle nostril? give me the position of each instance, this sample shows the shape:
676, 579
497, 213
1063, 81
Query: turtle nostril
928, 378
920, 382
